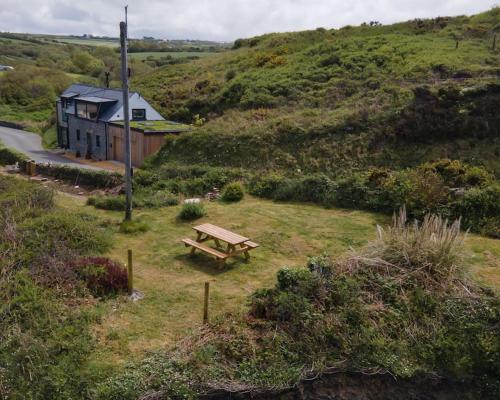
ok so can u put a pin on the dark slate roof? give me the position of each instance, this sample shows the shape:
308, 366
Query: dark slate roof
93, 99
115, 111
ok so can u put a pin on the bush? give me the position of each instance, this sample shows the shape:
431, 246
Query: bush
145, 178
266, 186
192, 211
160, 198
114, 203
10, 157
233, 192
102, 276
79, 176
44, 344
61, 235
480, 209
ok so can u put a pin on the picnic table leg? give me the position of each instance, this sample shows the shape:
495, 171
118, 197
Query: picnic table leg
247, 255
217, 243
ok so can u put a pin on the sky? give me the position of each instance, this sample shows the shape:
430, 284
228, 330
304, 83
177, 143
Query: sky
221, 20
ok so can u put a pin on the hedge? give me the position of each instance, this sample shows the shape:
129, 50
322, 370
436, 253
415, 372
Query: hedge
9, 156
80, 176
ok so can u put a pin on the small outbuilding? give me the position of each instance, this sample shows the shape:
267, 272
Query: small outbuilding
147, 138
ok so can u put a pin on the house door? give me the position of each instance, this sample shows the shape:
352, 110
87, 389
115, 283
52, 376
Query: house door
117, 148
89, 145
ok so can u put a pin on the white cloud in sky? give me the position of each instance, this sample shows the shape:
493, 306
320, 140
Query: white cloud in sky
216, 19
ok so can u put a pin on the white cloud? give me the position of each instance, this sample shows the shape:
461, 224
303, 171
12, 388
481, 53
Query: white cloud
215, 19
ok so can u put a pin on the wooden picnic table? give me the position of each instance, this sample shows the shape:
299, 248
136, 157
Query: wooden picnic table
207, 232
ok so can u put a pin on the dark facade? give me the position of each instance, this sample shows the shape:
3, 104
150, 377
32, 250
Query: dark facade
85, 112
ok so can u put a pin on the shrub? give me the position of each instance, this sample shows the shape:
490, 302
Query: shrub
102, 276
266, 186
61, 235
480, 209
19, 197
114, 203
192, 211
80, 176
44, 344
9, 156
145, 178
232, 192
160, 198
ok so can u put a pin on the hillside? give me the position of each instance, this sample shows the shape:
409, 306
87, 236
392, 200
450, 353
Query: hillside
44, 65
336, 100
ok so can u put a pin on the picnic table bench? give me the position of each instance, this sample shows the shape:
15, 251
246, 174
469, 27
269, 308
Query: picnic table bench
235, 244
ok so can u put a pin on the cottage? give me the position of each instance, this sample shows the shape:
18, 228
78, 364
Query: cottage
90, 124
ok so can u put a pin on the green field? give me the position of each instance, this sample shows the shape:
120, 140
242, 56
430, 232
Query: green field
173, 54
88, 42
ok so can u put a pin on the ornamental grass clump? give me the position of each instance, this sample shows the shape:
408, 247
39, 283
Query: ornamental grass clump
433, 246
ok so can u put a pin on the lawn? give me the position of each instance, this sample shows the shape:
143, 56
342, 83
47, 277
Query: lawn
172, 282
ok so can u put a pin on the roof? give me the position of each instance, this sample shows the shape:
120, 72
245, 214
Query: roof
92, 99
113, 112
162, 126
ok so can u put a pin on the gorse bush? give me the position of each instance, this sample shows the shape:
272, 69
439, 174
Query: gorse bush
192, 211
233, 192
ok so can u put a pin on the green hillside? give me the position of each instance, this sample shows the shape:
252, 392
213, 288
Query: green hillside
336, 100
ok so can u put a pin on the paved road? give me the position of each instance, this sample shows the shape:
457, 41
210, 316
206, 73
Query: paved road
31, 145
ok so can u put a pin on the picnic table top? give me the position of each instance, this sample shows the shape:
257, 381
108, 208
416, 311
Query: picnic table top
221, 233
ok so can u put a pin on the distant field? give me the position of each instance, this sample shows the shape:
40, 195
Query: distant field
173, 54
88, 42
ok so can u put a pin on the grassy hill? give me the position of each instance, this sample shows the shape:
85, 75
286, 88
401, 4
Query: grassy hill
331, 100
46, 64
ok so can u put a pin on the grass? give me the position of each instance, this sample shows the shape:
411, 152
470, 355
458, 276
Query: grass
173, 282
174, 54
157, 126
89, 42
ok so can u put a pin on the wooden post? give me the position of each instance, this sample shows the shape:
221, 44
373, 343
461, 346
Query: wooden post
494, 46
205, 305
130, 274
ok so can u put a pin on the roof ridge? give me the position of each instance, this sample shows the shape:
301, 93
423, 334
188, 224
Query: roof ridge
99, 88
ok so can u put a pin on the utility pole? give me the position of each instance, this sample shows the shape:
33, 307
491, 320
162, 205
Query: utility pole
126, 121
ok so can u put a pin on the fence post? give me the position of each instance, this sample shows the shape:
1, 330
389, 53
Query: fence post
130, 274
205, 305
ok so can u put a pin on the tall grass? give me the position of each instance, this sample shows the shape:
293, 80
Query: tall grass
433, 246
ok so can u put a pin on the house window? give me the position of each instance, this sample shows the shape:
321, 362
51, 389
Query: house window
78, 135
138, 114
86, 110
97, 141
